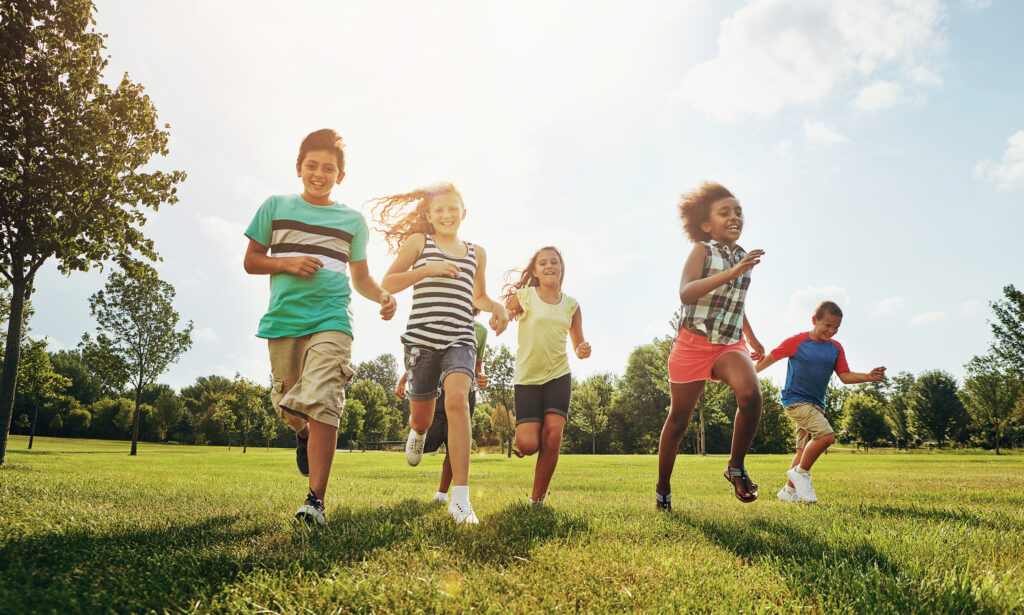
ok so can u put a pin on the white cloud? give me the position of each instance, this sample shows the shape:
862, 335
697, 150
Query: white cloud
802, 303
52, 344
971, 308
928, 318
774, 54
818, 132
204, 335
227, 234
783, 148
889, 305
879, 95
1009, 170
977, 5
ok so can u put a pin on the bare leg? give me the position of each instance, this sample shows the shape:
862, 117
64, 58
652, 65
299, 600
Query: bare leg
814, 450
684, 400
550, 446
737, 370
793, 464
528, 438
323, 439
446, 474
456, 404
421, 415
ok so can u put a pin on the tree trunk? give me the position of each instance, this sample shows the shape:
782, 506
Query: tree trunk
997, 439
593, 444
701, 445
136, 421
35, 420
9, 375
245, 436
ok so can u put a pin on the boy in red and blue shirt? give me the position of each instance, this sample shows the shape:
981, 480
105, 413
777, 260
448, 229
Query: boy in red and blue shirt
813, 357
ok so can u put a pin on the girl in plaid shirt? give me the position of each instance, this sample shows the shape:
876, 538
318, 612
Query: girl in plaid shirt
713, 334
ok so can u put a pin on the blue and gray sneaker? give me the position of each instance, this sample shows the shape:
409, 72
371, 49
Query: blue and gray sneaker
301, 456
312, 512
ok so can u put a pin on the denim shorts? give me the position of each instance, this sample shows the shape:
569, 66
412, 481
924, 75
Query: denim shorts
426, 368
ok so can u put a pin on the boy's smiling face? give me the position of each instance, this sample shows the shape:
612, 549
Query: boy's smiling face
825, 327
320, 174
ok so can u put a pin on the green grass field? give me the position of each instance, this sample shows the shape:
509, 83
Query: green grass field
86, 528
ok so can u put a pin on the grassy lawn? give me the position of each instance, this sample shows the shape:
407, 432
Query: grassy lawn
86, 528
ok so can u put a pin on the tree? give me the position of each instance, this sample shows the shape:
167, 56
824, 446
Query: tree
201, 401
990, 395
135, 308
937, 408
380, 415
383, 370
865, 421
1008, 329
643, 399
504, 424
86, 386
350, 430
501, 368
897, 409
71, 150
38, 381
775, 431
249, 405
588, 412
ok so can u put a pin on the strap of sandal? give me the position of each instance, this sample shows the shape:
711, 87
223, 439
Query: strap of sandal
663, 499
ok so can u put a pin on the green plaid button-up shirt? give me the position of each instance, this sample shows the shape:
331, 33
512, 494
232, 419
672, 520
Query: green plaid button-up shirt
719, 314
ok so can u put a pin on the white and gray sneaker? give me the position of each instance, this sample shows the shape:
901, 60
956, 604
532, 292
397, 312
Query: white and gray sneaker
441, 497
312, 511
539, 501
787, 494
804, 487
462, 512
414, 447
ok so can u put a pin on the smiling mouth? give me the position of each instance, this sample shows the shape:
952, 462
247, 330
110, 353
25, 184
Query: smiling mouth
733, 227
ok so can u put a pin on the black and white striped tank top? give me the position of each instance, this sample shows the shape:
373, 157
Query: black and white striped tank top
442, 307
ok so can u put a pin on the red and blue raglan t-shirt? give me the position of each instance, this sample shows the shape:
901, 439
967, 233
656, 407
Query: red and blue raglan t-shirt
810, 367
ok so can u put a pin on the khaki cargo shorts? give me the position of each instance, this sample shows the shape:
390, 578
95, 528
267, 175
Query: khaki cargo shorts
810, 420
310, 373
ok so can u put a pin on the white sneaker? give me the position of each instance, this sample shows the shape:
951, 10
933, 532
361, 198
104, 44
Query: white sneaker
787, 495
414, 447
462, 512
441, 497
312, 511
538, 502
804, 487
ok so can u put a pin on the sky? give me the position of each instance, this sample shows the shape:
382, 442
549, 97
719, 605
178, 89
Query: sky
877, 148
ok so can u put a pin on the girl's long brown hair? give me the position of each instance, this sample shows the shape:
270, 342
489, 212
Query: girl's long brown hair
527, 277
397, 220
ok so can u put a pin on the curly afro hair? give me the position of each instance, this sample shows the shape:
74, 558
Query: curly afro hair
695, 206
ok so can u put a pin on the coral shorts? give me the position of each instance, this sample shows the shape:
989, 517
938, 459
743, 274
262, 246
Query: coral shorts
693, 356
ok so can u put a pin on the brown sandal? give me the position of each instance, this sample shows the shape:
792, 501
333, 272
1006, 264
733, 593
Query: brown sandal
745, 485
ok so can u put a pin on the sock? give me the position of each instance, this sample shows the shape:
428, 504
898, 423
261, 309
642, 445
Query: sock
460, 493
789, 489
440, 494
801, 470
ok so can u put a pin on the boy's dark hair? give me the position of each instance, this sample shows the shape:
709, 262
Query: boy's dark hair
695, 206
325, 139
828, 306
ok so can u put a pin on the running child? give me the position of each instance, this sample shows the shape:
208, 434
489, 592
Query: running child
437, 434
542, 382
710, 342
813, 357
447, 276
316, 246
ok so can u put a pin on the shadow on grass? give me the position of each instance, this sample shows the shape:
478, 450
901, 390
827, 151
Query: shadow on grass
170, 568
853, 577
939, 515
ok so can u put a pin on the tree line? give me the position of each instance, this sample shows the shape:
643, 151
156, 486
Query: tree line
65, 393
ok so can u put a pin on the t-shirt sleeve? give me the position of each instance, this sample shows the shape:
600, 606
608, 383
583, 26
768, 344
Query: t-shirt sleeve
525, 297
570, 307
841, 366
481, 339
261, 228
359, 239
788, 347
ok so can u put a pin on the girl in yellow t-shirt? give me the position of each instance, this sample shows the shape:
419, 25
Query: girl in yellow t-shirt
542, 380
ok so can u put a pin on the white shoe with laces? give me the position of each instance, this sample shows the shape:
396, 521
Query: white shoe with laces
804, 487
414, 447
787, 495
462, 512
441, 497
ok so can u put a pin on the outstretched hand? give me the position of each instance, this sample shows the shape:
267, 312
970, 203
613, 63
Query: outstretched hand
388, 305
757, 350
499, 319
877, 374
748, 262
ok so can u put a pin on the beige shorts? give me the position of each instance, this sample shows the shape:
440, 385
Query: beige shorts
810, 420
310, 373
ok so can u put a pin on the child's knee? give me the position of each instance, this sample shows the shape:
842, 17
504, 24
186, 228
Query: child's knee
527, 445
552, 440
828, 439
749, 397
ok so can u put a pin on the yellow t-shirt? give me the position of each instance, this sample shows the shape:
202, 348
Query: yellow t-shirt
541, 356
